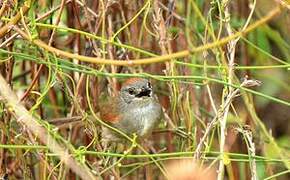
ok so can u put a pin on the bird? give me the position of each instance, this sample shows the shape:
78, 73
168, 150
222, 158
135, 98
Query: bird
135, 110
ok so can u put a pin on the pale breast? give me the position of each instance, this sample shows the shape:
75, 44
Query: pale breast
142, 120
148, 118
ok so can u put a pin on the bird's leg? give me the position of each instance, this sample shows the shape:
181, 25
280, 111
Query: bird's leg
149, 146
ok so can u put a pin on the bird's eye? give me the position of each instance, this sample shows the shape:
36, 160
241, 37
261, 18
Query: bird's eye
131, 91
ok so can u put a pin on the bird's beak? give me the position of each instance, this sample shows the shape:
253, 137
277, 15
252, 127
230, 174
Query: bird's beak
144, 92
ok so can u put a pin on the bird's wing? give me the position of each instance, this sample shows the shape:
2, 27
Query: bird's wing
110, 112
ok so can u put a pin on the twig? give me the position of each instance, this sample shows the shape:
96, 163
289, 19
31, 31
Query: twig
7, 27
158, 59
30, 122
51, 11
251, 149
231, 63
182, 19
57, 21
221, 113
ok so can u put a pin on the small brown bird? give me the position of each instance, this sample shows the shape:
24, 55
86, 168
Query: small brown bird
134, 110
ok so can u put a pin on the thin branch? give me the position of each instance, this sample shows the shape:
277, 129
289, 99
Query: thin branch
24, 118
251, 149
158, 59
7, 27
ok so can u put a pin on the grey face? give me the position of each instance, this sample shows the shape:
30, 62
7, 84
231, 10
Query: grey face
136, 90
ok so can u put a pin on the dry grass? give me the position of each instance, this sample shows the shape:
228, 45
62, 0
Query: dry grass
219, 68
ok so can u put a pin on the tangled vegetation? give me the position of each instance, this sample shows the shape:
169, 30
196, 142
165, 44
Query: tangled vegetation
220, 70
